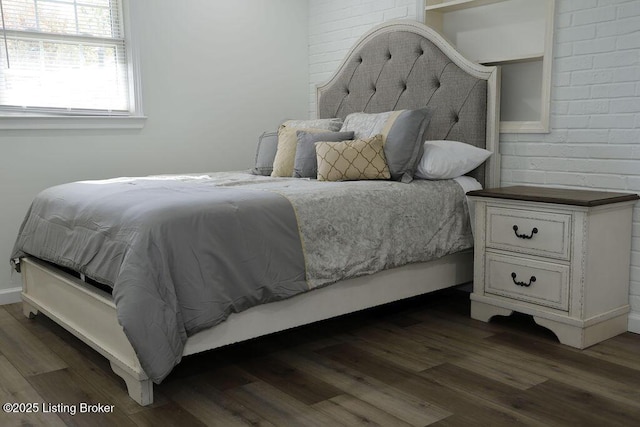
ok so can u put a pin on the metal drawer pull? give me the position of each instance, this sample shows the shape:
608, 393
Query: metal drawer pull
531, 280
524, 236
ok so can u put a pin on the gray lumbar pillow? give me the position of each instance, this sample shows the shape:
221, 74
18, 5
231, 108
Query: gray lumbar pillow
306, 165
265, 153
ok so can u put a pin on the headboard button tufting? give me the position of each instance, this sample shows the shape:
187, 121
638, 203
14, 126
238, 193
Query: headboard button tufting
411, 71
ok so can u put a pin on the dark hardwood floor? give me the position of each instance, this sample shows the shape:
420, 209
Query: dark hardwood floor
420, 362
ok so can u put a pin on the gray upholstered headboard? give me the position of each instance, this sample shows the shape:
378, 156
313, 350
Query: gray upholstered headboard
406, 65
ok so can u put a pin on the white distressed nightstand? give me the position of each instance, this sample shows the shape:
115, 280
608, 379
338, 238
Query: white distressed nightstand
559, 255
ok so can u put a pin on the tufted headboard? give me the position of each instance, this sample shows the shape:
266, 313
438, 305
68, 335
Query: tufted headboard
406, 65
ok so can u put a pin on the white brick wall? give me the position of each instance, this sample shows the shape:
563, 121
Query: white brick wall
595, 121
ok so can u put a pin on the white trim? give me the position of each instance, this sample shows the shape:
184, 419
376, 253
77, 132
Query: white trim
420, 6
10, 296
541, 126
133, 60
71, 122
634, 323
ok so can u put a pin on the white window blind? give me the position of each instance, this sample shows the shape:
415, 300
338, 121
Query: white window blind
64, 56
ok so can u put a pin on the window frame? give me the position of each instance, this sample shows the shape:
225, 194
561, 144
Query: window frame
134, 119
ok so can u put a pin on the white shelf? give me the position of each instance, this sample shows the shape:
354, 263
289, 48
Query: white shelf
453, 5
537, 56
514, 34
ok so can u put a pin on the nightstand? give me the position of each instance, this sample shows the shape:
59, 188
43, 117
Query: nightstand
559, 255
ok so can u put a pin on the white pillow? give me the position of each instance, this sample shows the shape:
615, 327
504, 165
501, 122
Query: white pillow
449, 159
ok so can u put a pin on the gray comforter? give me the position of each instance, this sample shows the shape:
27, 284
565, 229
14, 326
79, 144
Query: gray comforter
184, 252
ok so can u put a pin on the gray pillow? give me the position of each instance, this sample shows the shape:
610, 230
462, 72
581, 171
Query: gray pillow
306, 165
265, 153
404, 138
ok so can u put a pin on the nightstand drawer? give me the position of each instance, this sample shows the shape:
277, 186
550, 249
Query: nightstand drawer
529, 232
537, 282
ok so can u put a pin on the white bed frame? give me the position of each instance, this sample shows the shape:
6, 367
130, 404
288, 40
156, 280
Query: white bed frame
90, 314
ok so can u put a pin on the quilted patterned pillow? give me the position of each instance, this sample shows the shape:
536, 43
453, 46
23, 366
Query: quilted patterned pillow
352, 160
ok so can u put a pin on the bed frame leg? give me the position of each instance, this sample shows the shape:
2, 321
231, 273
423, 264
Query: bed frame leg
139, 390
28, 310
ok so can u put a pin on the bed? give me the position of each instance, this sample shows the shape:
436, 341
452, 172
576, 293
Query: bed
397, 65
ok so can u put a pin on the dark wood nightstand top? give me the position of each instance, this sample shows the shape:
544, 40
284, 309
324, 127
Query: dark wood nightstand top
561, 196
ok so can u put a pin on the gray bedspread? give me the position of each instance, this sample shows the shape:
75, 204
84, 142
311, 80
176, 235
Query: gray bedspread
191, 250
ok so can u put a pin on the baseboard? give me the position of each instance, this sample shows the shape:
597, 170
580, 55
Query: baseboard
634, 323
10, 296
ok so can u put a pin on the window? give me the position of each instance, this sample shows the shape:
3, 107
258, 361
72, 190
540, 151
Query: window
65, 57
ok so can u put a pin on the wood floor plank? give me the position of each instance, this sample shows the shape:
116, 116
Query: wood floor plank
278, 407
4, 313
168, 415
398, 340
401, 405
67, 387
508, 374
584, 408
405, 319
433, 321
296, 383
393, 354
514, 350
621, 350
226, 377
14, 388
367, 363
26, 352
551, 402
520, 357
467, 410
476, 386
564, 365
355, 412
211, 406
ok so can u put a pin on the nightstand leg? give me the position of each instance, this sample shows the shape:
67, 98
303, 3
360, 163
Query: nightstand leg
484, 312
579, 337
